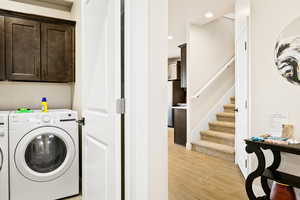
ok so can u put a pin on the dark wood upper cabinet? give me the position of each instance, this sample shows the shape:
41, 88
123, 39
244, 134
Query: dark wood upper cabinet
2, 50
57, 52
36, 48
23, 54
183, 49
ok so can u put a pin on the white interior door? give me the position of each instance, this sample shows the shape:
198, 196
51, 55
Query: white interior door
242, 79
101, 55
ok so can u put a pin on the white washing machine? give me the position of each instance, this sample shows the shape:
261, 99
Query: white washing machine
4, 172
43, 155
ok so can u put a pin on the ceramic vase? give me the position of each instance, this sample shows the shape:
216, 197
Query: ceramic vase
282, 192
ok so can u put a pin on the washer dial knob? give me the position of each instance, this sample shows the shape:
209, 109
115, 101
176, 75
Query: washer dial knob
46, 119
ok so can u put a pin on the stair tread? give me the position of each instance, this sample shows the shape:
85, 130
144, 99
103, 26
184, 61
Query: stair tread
215, 146
226, 114
218, 134
223, 123
230, 105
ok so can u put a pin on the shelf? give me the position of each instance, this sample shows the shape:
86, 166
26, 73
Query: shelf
263, 198
291, 148
283, 178
56, 4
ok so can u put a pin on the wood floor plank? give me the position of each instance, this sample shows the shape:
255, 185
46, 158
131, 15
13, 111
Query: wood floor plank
197, 176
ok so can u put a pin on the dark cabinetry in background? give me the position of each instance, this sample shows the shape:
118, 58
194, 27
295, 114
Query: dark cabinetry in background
2, 59
179, 95
36, 48
180, 126
183, 69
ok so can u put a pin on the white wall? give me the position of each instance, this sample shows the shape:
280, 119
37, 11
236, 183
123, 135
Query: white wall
182, 12
17, 94
210, 47
270, 93
24, 94
146, 95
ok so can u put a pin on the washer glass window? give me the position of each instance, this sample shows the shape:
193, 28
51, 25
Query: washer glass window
45, 153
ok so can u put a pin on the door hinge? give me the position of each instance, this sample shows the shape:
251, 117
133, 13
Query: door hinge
246, 104
121, 106
246, 164
245, 46
81, 122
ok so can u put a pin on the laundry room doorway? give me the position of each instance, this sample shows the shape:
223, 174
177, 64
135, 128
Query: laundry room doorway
102, 99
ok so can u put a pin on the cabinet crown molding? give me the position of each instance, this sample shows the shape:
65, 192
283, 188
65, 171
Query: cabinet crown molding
54, 4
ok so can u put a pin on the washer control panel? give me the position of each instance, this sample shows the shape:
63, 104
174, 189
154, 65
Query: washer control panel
38, 118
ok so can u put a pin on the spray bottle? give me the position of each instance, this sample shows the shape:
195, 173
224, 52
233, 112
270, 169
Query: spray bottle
44, 104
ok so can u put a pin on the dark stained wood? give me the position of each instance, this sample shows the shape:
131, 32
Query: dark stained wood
33, 17
2, 50
22, 49
179, 94
57, 53
180, 126
183, 71
291, 148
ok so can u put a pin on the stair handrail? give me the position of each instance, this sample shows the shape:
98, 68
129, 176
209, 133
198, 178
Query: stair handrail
224, 68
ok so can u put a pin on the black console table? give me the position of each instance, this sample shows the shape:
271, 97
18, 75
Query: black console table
271, 172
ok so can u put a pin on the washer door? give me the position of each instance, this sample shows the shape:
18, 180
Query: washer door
45, 154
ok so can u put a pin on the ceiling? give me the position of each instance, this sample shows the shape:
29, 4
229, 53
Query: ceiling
184, 12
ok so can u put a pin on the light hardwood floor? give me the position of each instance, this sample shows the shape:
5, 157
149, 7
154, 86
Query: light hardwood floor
74, 198
197, 176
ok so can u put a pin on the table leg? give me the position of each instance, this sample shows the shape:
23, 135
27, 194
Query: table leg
277, 160
275, 165
258, 172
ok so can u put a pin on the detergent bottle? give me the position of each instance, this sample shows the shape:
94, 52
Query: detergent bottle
44, 104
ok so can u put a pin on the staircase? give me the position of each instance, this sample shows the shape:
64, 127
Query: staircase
218, 141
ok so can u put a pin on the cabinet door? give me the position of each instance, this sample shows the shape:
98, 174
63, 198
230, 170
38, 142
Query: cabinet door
22, 49
57, 53
180, 126
2, 59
